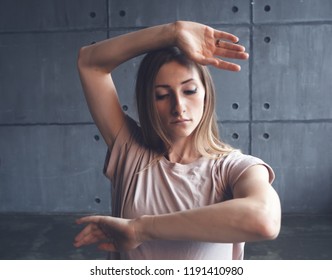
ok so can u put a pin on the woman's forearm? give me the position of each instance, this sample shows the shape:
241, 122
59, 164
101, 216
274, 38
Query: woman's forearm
108, 54
236, 220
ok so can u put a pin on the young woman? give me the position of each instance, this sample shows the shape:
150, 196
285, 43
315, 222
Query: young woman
178, 191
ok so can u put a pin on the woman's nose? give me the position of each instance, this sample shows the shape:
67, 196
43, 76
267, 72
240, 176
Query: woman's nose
178, 106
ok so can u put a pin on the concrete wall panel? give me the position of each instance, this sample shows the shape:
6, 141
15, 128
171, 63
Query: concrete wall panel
236, 134
232, 88
128, 13
39, 78
300, 156
268, 11
37, 15
50, 168
292, 72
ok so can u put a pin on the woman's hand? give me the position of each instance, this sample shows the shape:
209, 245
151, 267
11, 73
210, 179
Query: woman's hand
112, 234
205, 45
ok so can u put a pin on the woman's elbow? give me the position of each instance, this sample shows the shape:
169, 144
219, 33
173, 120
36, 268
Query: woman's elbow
268, 225
82, 57
270, 230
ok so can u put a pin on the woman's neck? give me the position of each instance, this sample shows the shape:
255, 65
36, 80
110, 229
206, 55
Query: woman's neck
183, 152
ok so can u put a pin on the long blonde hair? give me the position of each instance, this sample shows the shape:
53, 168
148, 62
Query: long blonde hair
206, 135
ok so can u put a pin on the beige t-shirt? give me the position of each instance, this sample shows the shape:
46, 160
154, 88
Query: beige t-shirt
167, 187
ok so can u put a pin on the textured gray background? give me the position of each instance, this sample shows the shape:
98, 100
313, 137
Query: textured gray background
277, 108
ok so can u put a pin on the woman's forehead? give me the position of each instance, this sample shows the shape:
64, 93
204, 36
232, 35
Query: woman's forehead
174, 72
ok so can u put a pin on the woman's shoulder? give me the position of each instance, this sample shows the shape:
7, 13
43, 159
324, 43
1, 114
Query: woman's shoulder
237, 157
235, 163
129, 138
128, 147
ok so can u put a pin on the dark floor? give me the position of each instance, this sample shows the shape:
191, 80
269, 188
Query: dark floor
50, 237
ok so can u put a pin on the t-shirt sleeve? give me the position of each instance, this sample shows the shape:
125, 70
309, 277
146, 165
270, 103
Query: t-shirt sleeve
236, 163
128, 133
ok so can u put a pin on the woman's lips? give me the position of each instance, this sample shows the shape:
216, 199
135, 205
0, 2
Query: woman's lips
179, 121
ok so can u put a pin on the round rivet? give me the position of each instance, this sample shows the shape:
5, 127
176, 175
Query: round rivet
267, 39
96, 137
235, 106
235, 9
266, 136
267, 8
235, 136
92, 14
122, 13
125, 108
266, 106
97, 200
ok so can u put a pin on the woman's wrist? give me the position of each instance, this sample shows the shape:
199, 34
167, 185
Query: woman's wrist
177, 28
144, 228
169, 34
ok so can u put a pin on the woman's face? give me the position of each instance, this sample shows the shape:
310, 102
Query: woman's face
179, 99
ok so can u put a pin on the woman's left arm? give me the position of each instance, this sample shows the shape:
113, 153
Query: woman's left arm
254, 214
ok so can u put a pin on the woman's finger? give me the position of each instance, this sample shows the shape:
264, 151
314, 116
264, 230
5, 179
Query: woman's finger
221, 64
110, 247
88, 240
231, 54
89, 219
90, 234
88, 229
225, 36
229, 46
216, 62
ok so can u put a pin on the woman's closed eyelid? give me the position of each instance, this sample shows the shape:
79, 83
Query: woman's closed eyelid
190, 91
187, 91
160, 96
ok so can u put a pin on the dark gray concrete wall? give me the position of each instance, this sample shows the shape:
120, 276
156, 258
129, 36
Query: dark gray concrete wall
277, 107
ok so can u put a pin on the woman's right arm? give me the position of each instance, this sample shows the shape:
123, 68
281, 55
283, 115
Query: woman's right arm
96, 62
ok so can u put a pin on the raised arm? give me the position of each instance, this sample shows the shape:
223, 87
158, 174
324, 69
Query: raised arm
254, 214
96, 62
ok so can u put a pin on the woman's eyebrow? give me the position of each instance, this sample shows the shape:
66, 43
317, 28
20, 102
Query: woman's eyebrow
168, 86
187, 81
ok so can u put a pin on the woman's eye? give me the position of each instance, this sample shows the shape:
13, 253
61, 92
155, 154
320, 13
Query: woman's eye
161, 96
190, 91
